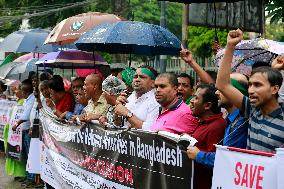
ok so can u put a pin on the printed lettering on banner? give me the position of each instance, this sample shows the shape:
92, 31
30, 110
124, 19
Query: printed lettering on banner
88, 156
6, 108
14, 146
238, 170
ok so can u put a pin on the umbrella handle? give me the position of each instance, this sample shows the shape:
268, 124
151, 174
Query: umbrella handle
130, 57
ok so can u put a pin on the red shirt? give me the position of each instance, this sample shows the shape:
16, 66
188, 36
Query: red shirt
208, 132
66, 103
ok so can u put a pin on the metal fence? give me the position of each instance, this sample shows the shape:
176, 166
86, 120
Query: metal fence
175, 65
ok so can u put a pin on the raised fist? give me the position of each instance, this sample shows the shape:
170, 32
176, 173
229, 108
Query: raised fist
234, 37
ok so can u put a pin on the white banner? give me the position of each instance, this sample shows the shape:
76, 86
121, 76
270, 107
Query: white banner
6, 107
240, 170
15, 137
70, 174
33, 163
280, 167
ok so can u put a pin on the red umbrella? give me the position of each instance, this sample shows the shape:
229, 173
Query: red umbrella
70, 29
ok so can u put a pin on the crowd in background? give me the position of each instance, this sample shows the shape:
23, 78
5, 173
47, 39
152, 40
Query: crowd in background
230, 109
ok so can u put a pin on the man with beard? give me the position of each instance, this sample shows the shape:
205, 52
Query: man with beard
265, 114
174, 115
140, 109
236, 129
209, 131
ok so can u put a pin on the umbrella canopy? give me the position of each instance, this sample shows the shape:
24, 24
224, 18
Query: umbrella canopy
70, 29
201, 1
249, 52
28, 56
71, 59
24, 67
22, 64
8, 59
130, 37
27, 41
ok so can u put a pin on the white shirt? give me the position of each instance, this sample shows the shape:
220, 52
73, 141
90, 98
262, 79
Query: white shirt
146, 108
28, 105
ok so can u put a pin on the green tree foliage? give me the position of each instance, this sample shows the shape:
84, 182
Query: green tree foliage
201, 38
275, 9
143, 10
275, 31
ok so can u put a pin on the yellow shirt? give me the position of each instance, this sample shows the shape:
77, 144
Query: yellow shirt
99, 108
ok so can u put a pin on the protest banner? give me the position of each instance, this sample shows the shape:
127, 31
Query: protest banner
33, 162
89, 156
6, 107
14, 146
280, 167
243, 169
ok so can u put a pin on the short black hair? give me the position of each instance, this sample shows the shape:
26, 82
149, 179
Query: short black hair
82, 79
27, 86
31, 75
43, 76
151, 69
210, 96
3, 86
56, 83
191, 80
172, 77
274, 76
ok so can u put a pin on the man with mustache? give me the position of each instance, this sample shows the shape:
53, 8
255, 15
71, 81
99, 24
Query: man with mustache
140, 109
236, 128
265, 114
174, 115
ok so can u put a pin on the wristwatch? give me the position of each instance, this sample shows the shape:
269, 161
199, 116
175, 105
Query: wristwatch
129, 114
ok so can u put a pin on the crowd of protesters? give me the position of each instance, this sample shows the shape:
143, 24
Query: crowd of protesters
232, 109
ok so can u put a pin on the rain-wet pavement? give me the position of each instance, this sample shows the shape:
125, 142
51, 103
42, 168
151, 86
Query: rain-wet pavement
7, 182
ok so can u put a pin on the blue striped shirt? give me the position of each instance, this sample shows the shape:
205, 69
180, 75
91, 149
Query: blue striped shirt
266, 132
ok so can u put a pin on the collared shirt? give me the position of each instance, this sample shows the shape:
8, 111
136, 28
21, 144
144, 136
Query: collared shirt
99, 108
177, 119
34, 113
235, 136
145, 107
77, 111
209, 132
28, 105
266, 132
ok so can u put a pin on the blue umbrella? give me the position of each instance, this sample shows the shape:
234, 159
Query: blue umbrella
27, 41
201, 1
130, 37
